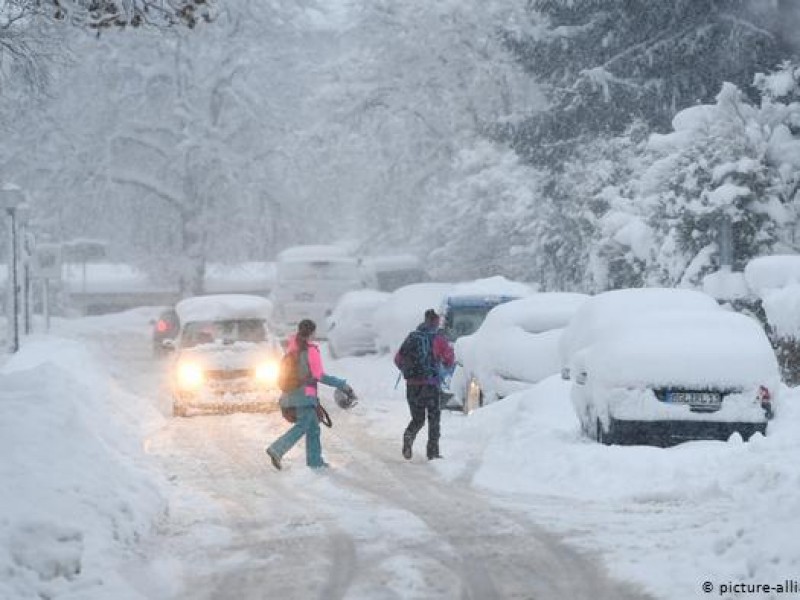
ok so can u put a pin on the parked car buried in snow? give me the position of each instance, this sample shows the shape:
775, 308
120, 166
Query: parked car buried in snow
464, 312
351, 326
226, 357
668, 377
514, 348
602, 314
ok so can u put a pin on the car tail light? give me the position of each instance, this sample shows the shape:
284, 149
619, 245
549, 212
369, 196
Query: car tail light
162, 326
765, 398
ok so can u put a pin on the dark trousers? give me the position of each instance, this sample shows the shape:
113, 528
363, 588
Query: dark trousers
422, 399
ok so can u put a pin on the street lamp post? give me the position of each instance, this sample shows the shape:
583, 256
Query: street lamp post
23, 258
11, 197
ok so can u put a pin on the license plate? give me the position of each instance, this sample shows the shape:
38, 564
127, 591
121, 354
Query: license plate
696, 399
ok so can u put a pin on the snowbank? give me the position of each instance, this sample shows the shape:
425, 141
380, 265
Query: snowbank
670, 519
782, 307
726, 285
769, 272
77, 493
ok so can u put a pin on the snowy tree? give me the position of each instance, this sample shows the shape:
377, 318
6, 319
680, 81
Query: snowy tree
604, 63
490, 199
712, 169
412, 84
183, 173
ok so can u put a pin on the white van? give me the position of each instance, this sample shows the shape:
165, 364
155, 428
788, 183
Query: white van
309, 280
390, 272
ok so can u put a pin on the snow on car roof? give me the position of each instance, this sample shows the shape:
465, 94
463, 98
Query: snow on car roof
318, 253
770, 272
221, 307
718, 349
538, 312
495, 286
602, 313
363, 298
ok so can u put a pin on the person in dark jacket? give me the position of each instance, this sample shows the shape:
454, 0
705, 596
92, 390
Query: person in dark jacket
423, 391
304, 399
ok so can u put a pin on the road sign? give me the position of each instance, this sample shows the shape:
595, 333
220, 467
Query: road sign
47, 261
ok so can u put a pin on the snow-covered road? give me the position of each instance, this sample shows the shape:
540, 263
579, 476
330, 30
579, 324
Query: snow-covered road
374, 526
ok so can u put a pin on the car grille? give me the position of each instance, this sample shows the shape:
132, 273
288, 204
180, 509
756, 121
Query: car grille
226, 374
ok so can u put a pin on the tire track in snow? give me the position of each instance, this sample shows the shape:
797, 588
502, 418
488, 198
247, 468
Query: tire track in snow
375, 527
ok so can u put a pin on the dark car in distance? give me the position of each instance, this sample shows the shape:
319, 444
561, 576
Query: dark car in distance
166, 327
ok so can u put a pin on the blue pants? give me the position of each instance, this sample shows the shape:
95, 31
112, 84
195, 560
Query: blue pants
307, 425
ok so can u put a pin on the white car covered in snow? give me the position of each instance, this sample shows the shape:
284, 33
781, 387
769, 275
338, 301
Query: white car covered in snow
602, 314
225, 357
666, 377
351, 325
514, 348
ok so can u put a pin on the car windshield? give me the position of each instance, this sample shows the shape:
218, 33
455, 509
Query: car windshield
228, 332
462, 321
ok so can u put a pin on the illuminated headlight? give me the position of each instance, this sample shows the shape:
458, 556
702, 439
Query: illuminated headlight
190, 376
267, 372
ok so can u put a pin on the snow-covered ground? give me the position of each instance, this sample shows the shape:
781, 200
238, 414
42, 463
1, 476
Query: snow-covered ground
104, 497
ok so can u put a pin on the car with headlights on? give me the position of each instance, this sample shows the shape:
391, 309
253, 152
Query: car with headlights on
515, 347
226, 356
667, 377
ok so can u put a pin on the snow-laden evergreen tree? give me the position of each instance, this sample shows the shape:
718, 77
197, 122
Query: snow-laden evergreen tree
604, 63
713, 168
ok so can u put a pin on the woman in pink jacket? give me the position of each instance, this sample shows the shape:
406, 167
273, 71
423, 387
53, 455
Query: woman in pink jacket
304, 399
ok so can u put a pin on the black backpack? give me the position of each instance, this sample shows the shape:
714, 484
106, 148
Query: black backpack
289, 378
416, 356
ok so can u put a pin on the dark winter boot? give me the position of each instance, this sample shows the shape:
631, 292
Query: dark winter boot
407, 448
433, 451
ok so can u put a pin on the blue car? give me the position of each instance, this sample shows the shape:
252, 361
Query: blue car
463, 315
